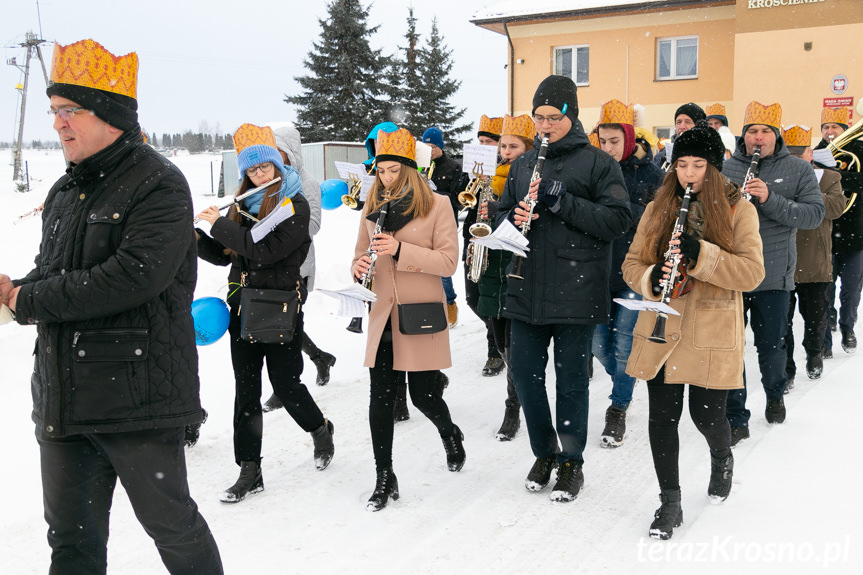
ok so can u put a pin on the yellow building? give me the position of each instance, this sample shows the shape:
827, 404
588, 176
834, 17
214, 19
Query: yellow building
663, 53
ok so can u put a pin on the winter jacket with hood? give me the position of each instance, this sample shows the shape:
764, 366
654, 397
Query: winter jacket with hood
111, 297
288, 140
814, 261
706, 341
567, 269
794, 201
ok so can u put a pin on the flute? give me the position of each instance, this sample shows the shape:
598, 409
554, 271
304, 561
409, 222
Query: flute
752, 172
658, 335
236, 199
517, 270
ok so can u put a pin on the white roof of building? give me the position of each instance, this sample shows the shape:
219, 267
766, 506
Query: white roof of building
521, 8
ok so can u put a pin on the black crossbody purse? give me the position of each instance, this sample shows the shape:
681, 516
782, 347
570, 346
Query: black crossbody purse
269, 315
420, 318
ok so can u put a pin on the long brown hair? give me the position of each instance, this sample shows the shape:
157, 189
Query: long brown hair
408, 180
716, 198
271, 197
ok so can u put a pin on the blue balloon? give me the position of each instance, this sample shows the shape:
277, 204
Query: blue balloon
211, 316
332, 192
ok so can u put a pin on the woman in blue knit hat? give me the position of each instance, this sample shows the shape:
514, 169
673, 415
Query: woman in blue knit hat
270, 262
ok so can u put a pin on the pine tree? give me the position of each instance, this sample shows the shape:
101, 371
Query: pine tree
411, 70
436, 90
342, 97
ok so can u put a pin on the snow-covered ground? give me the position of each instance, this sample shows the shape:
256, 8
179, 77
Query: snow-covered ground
795, 507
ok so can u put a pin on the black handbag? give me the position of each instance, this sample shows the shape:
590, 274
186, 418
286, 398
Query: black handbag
269, 315
421, 318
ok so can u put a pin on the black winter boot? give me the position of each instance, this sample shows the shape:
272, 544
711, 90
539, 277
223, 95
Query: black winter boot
323, 362
273, 404
386, 486
540, 474
510, 425
493, 366
814, 366
668, 516
775, 411
570, 480
324, 448
400, 407
721, 472
849, 341
250, 481
615, 427
455, 454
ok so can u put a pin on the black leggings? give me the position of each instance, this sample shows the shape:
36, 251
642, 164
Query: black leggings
422, 385
707, 409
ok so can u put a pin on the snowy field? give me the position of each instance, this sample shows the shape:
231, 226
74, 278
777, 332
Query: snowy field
795, 507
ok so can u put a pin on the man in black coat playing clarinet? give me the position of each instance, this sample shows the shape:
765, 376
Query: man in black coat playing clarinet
581, 207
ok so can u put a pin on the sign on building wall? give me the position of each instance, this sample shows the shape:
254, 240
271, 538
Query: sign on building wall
839, 84
777, 3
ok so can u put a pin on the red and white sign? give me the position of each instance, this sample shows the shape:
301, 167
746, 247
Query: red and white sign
845, 102
839, 84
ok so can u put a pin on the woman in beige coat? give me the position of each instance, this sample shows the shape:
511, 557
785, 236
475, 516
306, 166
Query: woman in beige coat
721, 257
418, 246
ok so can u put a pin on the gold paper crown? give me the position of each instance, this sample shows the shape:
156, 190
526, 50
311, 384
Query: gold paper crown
87, 63
616, 112
797, 136
594, 139
758, 113
522, 126
491, 125
251, 135
399, 143
834, 116
715, 110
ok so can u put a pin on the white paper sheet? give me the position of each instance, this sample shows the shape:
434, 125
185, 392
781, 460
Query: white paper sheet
485, 156
824, 157
505, 237
644, 305
352, 299
283, 211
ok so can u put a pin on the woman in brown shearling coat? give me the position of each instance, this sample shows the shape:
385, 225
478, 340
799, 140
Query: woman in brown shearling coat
418, 246
721, 256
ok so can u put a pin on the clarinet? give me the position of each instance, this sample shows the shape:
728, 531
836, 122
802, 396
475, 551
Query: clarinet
658, 335
752, 172
367, 279
517, 270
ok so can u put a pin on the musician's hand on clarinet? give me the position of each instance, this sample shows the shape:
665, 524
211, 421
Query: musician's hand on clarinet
520, 214
384, 244
549, 192
690, 247
533, 189
757, 189
659, 275
210, 215
361, 267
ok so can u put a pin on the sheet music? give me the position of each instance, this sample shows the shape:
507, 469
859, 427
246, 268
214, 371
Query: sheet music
423, 154
824, 157
283, 211
476, 154
644, 305
505, 237
352, 299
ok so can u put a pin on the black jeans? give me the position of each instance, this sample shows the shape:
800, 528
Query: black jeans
707, 409
471, 296
423, 389
813, 307
79, 474
501, 331
284, 366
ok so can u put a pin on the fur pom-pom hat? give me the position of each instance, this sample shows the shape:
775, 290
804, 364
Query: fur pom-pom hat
702, 141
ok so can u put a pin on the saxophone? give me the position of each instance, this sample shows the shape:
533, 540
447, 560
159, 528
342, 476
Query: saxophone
477, 255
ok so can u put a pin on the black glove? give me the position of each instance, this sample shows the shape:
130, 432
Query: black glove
549, 192
656, 277
690, 247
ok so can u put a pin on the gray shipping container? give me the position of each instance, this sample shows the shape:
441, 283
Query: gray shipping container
319, 157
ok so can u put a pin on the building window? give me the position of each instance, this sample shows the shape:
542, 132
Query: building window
677, 58
664, 133
573, 62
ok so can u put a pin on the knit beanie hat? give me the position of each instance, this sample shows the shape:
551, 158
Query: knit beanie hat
692, 110
433, 136
256, 145
558, 92
702, 141
92, 77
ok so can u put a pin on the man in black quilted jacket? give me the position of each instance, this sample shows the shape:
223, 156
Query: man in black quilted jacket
115, 380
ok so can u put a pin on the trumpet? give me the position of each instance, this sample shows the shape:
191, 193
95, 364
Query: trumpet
658, 335
236, 199
517, 269
351, 199
468, 197
837, 148
752, 172
367, 279
430, 171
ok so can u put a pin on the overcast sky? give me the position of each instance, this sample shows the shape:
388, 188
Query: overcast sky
227, 62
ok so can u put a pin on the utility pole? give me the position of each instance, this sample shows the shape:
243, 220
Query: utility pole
32, 45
